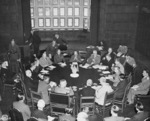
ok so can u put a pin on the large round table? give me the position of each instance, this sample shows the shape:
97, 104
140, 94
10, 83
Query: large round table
64, 73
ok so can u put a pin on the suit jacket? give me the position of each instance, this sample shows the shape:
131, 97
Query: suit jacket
120, 89
59, 58
87, 91
45, 62
23, 108
75, 59
51, 49
144, 86
93, 60
139, 116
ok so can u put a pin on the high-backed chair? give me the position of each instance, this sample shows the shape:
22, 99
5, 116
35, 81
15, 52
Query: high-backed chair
15, 115
87, 102
59, 102
35, 97
108, 101
122, 101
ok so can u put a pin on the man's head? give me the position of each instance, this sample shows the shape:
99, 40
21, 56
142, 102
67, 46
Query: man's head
109, 50
89, 82
94, 52
57, 35
20, 97
12, 42
139, 106
58, 51
41, 104
102, 80
86, 109
46, 79
114, 110
28, 73
44, 54
68, 110
63, 83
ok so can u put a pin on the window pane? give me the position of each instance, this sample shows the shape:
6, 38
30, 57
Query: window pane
85, 23
48, 22
55, 11
86, 2
55, 2
69, 2
70, 22
32, 22
55, 22
41, 22
40, 11
76, 22
69, 11
40, 2
77, 11
47, 11
85, 12
62, 11
46, 2
31, 2
32, 12
62, 2
77, 2
62, 22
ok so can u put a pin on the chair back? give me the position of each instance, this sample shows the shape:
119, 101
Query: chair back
58, 103
35, 97
109, 97
87, 101
15, 115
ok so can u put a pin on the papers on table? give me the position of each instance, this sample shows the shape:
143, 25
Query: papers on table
62, 64
84, 66
90, 46
44, 71
105, 72
101, 67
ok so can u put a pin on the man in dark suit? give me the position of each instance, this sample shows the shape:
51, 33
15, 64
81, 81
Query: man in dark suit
88, 90
141, 114
121, 87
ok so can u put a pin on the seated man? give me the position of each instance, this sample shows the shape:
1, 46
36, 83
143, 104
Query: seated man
39, 113
75, 57
58, 57
121, 87
30, 83
141, 88
94, 58
43, 89
22, 107
51, 48
88, 90
67, 116
141, 114
114, 115
62, 44
44, 60
62, 88
101, 91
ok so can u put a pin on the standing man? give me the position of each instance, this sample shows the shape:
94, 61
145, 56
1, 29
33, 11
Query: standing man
62, 44
35, 40
15, 56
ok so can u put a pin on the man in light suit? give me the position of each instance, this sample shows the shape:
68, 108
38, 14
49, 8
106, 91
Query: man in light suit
94, 58
141, 114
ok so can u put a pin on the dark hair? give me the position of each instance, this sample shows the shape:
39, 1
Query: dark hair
20, 96
139, 106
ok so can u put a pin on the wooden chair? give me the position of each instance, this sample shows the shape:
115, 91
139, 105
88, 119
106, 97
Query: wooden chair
35, 97
59, 102
87, 102
123, 101
15, 115
108, 101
